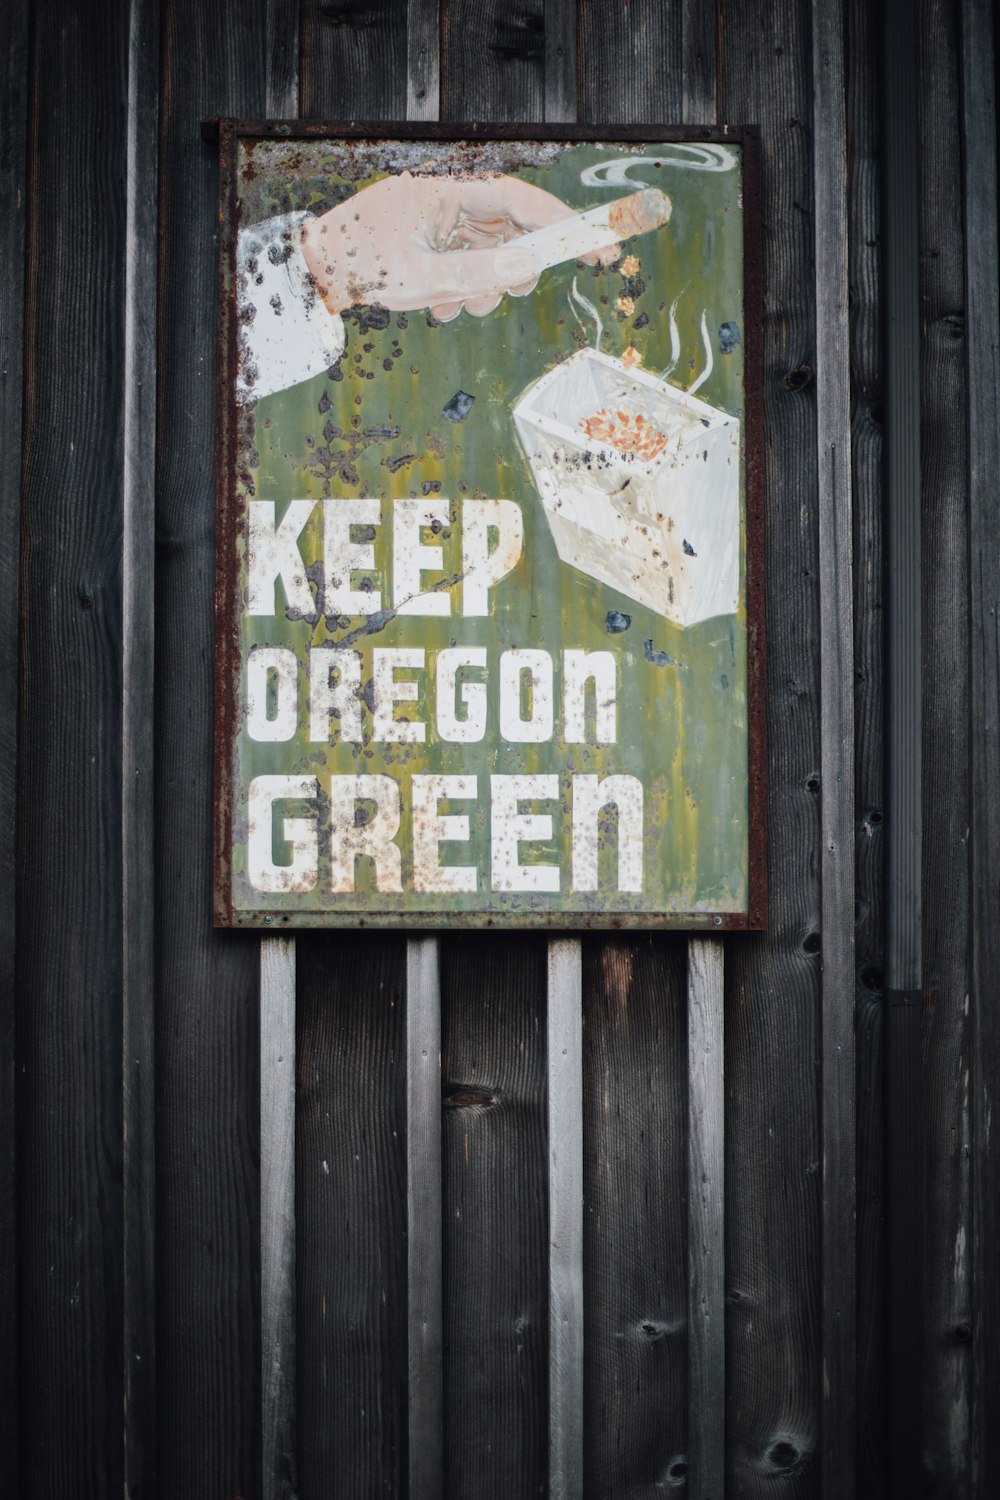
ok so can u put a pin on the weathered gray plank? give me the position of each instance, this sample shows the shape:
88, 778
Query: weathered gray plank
281, 82
277, 1216
207, 1019
138, 744
493, 62
774, 1369
706, 1024
949, 1263
13, 203
351, 1194
833, 446
635, 1225
630, 61
560, 60
354, 61
904, 641
982, 282
423, 1217
69, 853
706, 1225
423, 60
565, 1089
863, 95
699, 75
495, 1157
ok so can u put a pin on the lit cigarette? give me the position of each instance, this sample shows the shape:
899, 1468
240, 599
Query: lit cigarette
596, 229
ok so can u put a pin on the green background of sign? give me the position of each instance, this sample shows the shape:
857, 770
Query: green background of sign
682, 716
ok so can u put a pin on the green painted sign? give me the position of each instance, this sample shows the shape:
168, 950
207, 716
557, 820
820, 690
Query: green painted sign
486, 637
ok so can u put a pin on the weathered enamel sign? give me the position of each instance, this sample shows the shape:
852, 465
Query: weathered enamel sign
489, 586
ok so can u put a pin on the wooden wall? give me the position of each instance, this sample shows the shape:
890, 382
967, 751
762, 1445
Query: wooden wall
130, 1072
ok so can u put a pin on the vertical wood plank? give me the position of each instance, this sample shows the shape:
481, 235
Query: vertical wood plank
982, 281
493, 60
560, 60
423, 1217
277, 1216
949, 1349
630, 62
351, 1196
423, 60
635, 1225
706, 1024
706, 1223
903, 683
495, 1156
14, 104
69, 853
565, 1091
279, 1457
365, 1147
833, 444
773, 999
214, 62
864, 172
138, 745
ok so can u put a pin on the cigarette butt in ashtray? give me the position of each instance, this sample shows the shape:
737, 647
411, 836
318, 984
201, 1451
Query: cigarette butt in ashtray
595, 229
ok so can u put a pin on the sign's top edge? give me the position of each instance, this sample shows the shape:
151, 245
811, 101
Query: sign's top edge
471, 130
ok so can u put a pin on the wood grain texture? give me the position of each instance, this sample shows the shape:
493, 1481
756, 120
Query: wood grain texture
277, 1217
69, 857
835, 528
351, 1194
353, 60
635, 1194
495, 1158
493, 61
14, 30
138, 747
947, 813
706, 1217
982, 283
564, 1035
560, 60
630, 62
423, 1217
423, 60
699, 53
773, 1249
866, 461
207, 1017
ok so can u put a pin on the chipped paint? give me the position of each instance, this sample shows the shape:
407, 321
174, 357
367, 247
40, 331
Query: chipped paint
453, 566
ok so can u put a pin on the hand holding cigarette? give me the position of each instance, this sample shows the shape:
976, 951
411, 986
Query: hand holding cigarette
443, 243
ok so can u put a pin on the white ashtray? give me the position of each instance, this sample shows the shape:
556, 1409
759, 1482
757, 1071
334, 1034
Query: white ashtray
657, 518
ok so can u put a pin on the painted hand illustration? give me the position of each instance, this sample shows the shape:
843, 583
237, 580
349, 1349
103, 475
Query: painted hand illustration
442, 243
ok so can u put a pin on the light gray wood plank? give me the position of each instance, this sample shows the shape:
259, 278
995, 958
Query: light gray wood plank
982, 280
281, 87
277, 1214
138, 746
423, 1199
837, 758
706, 1220
560, 61
565, 1052
423, 60
706, 1026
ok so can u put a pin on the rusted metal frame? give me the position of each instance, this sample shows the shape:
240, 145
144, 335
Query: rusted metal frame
14, 46
837, 1080
424, 1230
902, 1011
982, 291
565, 1120
138, 745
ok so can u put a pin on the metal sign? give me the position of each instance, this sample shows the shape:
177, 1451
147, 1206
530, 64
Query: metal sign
489, 586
